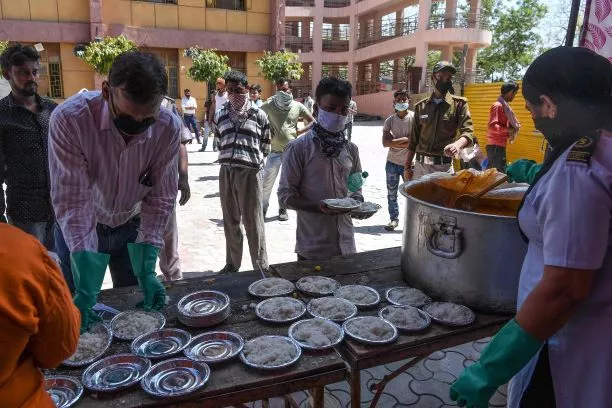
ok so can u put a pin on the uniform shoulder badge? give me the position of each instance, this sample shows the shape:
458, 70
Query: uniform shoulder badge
583, 150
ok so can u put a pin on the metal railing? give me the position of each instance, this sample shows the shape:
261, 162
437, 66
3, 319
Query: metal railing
227, 4
161, 1
299, 3
298, 44
387, 31
440, 21
336, 3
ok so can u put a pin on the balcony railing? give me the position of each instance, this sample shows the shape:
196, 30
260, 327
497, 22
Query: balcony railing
437, 22
298, 44
387, 31
299, 3
336, 3
335, 45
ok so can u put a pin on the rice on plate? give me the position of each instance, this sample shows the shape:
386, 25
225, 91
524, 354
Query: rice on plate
333, 308
91, 344
270, 351
407, 296
358, 294
450, 313
405, 317
316, 333
319, 285
131, 324
280, 309
271, 287
371, 328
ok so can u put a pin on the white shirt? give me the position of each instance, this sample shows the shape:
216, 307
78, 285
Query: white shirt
220, 101
189, 105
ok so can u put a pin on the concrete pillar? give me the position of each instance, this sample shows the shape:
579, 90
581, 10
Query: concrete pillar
424, 15
474, 13
450, 14
399, 22
420, 60
317, 43
277, 25
447, 53
353, 38
335, 32
470, 65
375, 75
377, 26
396, 70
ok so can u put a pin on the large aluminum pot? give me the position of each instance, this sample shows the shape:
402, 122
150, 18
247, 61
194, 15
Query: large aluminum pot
463, 257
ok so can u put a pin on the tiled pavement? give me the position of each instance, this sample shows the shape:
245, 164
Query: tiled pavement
202, 248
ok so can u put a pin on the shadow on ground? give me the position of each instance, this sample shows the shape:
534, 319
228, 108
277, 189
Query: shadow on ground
208, 178
374, 230
217, 221
213, 195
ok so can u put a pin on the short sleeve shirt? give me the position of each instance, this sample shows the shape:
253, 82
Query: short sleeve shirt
398, 128
284, 122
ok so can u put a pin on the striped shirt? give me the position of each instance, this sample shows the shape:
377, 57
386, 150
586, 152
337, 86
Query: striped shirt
246, 144
96, 176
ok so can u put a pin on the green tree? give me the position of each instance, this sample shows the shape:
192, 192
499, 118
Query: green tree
207, 66
3, 46
515, 40
100, 55
281, 64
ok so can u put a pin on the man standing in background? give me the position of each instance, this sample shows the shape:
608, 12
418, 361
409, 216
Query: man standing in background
396, 136
283, 113
503, 126
24, 125
169, 262
243, 132
352, 111
217, 105
255, 92
442, 127
309, 102
189, 105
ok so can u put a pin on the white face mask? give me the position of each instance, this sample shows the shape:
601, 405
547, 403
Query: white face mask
401, 106
331, 122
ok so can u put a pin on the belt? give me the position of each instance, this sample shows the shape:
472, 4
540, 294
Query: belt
435, 160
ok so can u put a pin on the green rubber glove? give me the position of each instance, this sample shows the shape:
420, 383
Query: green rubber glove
88, 269
523, 171
356, 180
508, 352
143, 258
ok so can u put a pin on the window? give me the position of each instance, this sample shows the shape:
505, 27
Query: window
50, 82
55, 80
227, 4
237, 61
170, 59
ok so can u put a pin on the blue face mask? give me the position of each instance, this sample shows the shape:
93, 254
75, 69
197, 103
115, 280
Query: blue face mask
401, 106
331, 122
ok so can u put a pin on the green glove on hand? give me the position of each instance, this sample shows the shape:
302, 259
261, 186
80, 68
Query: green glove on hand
88, 269
523, 171
508, 352
143, 258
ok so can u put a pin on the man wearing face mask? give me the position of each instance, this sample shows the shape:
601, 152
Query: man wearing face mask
316, 167
442, 127
243, 132
283, 113
396, 136
113, 158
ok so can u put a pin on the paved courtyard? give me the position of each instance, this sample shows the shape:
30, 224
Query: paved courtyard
202, 248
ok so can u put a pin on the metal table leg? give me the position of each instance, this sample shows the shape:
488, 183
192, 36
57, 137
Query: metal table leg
380, 386
318, 397
355, 388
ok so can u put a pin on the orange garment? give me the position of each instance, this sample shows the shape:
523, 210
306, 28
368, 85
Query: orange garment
39, 325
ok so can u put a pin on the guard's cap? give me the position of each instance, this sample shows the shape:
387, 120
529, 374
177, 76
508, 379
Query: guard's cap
444, 66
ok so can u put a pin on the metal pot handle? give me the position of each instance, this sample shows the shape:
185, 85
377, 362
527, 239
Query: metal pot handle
444, 229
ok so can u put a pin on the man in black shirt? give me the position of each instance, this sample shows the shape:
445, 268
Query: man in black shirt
24, 126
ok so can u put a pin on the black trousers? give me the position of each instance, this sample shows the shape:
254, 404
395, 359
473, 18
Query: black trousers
497, 157
540, 392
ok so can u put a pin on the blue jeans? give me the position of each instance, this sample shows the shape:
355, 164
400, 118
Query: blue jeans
394, 171
192, 124
42, 231
270, 172
112, 241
